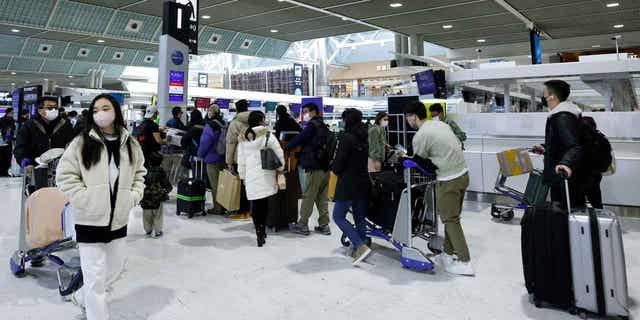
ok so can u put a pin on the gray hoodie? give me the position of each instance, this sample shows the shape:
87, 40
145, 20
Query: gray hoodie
566, 106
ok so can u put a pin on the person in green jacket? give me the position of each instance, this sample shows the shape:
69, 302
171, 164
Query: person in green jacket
437, 113
378, 142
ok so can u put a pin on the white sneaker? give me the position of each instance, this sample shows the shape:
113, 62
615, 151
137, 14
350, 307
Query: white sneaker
443, 259
78, 300
460, 268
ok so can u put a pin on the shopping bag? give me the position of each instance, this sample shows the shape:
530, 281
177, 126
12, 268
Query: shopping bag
44, 211
514, 162
228, 195
333, 182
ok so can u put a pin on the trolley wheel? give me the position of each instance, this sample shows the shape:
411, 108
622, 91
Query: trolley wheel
494, 211
39, 263
345, 241
507, 215
368, 241
573, 311
190, 216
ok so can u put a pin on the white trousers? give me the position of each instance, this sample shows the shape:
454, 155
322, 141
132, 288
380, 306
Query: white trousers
102, 264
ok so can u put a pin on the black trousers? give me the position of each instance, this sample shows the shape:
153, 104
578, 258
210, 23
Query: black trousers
576, 195
593, 193
259, 211
5, 160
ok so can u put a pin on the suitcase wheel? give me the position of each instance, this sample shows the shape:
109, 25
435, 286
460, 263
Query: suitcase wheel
507, 215
494, 211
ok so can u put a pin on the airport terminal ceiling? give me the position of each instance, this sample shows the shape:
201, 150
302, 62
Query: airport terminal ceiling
106, 27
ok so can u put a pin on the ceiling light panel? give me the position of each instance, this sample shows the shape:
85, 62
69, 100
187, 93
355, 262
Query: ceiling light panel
224, 38
74, 16
25, 64
613, 5
26, 12
75, 52
82, 68
11, 45
118, 55
57, 66
141, 58
134, 26
274, 48
44, 48
246, 44
4, 62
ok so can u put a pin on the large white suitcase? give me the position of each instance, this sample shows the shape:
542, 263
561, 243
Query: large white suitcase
597, 262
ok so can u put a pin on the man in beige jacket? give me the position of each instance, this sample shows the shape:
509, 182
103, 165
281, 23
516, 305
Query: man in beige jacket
238, 127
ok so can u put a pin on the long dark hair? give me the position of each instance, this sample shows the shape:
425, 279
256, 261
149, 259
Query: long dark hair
256, 118
353, 124
92, 149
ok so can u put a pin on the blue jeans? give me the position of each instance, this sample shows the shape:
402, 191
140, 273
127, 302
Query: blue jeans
358, 234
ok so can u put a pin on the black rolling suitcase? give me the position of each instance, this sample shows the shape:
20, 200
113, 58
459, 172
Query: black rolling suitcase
283, 207
191, 192
546, 256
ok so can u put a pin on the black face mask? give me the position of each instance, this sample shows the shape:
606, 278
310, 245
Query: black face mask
545, 104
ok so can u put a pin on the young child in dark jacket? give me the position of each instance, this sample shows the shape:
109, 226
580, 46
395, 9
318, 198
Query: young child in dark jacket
157, 187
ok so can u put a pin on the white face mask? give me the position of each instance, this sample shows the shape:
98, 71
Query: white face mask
436, 118
306, 117
51, 114
384, 124
104, 118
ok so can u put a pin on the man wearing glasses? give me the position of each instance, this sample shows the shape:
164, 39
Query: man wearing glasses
47, 130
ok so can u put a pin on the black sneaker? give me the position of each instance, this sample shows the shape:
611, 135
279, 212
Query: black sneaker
323, 230
158, 234
302, 230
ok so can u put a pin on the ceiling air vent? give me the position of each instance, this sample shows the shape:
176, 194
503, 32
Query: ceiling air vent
83, 52
215, 38
246, 44
133, 26
118, 55
44, 49
148, 59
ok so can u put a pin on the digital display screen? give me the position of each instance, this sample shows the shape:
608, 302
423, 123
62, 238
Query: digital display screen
202, 103
536, 48
296, 108
270, 106
328, 109
223, 103
426, 83
255, 105
176, 86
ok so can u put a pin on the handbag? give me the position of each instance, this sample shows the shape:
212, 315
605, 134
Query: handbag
270, 160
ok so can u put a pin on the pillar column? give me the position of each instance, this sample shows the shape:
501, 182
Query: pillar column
416, 45
321, 75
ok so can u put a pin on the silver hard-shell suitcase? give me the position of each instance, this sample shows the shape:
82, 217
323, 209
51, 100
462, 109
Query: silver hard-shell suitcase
597, 261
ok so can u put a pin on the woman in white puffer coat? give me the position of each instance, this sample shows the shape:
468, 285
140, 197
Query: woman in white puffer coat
260, 184
102, 174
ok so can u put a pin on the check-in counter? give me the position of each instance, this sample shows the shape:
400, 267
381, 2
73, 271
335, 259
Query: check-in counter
490, 133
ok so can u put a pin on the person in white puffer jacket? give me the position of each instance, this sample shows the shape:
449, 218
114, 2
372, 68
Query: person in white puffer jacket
102, 174
260, 184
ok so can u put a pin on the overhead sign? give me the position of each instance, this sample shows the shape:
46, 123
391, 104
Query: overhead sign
426, 82
180, 21
203, 80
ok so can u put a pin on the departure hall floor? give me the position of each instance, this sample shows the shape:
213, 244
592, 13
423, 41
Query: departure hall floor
210, 268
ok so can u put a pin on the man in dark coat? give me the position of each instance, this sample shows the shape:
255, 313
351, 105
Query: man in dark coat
46, 131
562, 149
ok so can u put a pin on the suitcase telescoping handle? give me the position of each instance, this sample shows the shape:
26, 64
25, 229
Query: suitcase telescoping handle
565, 178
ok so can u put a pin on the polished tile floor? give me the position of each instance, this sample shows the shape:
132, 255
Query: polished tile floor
209, 268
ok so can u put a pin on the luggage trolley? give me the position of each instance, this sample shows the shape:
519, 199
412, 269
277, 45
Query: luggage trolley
34, 179
416, 217
516, 162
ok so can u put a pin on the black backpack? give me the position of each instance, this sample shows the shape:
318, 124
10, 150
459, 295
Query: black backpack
597, 150
325, 143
